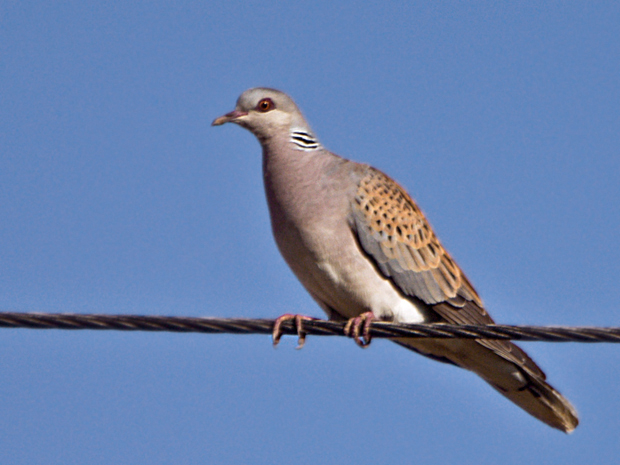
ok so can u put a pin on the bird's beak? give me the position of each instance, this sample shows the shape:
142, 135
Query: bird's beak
229, 117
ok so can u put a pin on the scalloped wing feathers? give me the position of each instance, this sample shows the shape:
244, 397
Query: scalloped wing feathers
395, 233
397, 237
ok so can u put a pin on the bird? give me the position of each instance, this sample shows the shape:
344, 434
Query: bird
364, 251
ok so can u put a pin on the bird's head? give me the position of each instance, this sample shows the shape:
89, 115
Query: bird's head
264, 112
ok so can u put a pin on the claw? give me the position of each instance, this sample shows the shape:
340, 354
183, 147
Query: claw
357, 325
301, 334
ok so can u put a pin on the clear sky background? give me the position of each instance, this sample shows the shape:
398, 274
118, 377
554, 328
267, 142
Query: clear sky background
116, 196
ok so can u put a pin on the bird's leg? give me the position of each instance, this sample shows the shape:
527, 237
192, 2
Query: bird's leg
301, 334
360, 326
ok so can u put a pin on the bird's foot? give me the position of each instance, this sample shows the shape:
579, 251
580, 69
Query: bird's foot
301, 334
359, 327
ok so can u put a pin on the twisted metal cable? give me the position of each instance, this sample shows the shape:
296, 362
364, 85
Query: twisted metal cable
313, 327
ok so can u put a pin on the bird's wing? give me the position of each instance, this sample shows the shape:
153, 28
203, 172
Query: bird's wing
398, 239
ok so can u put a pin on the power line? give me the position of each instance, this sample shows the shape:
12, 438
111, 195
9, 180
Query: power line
314, 327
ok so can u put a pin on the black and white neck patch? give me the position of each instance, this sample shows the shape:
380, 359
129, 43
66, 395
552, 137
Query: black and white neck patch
304, 140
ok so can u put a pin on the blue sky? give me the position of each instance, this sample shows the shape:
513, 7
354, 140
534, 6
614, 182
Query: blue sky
116, 196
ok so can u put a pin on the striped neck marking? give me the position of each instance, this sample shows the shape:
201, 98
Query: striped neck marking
304, 140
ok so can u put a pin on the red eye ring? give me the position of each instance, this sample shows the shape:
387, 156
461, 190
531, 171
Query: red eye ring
265, 105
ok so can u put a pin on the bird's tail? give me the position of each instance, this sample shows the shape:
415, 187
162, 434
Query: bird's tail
512, 373
544, 402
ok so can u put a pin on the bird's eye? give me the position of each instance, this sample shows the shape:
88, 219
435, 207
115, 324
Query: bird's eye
265, 105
